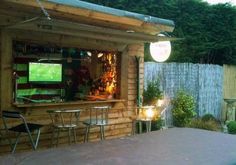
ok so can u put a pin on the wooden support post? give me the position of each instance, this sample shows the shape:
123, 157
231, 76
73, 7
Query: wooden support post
138, 86
6, 70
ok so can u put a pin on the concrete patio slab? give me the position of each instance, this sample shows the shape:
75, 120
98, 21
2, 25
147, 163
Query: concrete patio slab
175, 146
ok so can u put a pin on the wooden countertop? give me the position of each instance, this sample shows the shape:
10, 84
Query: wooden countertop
66, 103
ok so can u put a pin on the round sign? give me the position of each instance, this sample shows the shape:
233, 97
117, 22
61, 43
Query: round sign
160, 51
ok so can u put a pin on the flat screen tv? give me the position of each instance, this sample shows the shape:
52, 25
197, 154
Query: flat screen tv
45, 72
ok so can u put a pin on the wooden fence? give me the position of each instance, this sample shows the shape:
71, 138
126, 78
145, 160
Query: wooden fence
204, 82
229, 81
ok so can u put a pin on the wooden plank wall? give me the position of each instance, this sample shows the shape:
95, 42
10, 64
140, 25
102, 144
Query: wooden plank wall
120, 121
135, 51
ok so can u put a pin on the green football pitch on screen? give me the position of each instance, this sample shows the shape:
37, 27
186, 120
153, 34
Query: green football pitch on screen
45, 72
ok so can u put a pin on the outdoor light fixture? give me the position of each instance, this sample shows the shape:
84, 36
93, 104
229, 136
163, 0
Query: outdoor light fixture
160, 51
160, 103
148, 112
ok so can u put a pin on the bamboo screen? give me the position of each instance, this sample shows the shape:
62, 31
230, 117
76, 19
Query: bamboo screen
204, 82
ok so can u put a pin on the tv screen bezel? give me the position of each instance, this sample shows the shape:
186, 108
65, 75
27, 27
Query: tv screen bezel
45, 82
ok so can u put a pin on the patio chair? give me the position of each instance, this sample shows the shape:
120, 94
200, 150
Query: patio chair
64, 120
24, 127
98, 116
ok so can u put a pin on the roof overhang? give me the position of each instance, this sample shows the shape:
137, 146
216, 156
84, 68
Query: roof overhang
82, 19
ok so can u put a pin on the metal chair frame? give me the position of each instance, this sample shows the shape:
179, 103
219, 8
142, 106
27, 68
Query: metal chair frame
60, 123
98, 116
163, 118
21, 128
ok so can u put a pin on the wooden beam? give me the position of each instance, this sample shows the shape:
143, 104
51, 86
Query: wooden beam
88, 35
78, 11
91, 28
19, 12
6, 20
105, 24
90, 17
26, 12
65, 40
14, 16
82, 30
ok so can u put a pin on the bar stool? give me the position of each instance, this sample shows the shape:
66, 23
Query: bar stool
98, 116
64, 120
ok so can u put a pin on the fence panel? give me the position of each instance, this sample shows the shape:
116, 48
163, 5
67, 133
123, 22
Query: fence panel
204, 82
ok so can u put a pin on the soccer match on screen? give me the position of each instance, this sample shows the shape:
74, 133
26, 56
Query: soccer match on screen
45, 72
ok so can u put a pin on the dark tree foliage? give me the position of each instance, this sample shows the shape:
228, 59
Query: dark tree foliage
208, 31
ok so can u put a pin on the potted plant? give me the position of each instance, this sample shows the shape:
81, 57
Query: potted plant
150, 96
152, 93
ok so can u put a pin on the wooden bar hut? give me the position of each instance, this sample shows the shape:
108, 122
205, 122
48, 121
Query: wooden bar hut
90, 54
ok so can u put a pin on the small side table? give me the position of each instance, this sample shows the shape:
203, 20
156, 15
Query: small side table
147, 122
144, 118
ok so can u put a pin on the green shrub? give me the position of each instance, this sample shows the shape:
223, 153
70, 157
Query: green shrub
156, 124
208, 117
211, 125
152, 93
231, 127
183, 109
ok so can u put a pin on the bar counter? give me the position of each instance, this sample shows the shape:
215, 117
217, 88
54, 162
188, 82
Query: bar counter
66, 105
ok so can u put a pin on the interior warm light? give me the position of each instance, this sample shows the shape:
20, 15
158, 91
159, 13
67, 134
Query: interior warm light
130, 31
89, 53
160, 51
100, 55
110, 88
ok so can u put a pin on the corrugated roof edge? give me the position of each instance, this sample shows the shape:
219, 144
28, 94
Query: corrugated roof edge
113, 11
